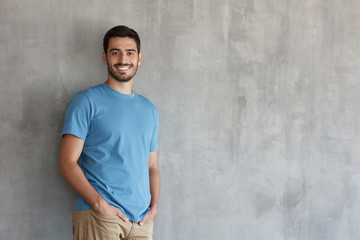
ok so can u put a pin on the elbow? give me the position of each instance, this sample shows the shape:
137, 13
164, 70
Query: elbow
65, 167
61, 168
153, 171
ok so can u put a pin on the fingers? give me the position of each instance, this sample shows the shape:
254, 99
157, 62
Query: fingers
142, 221
122, 216
150, 215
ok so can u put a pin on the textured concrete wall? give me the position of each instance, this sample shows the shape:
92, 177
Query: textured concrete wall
259, 107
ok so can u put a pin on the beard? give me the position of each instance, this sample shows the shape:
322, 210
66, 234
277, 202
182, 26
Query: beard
122, 77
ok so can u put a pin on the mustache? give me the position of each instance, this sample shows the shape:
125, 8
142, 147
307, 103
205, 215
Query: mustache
122, 64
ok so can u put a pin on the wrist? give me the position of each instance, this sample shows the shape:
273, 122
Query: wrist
98, 203
154, 207
153, 213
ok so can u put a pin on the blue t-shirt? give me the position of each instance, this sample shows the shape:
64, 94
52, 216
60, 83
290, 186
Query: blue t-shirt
119, 132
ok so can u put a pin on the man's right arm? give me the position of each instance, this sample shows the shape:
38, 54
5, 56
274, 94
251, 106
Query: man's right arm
71, 148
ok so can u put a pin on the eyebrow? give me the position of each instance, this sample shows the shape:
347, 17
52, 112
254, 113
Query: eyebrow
126, 50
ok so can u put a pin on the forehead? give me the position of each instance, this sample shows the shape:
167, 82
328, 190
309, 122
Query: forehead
122, 43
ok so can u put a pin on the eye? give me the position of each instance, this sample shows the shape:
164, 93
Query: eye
130, 53
115, 53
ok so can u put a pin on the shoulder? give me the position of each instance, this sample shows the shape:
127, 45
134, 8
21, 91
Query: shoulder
149, 105
92, 91
146, 102
86, 96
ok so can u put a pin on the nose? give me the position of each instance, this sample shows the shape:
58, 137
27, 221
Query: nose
122, 57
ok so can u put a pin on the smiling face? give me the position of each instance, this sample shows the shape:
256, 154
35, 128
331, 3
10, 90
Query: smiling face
122, 58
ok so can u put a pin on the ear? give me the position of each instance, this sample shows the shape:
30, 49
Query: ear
104, 58
140, 59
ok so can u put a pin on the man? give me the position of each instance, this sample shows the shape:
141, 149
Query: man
109, 151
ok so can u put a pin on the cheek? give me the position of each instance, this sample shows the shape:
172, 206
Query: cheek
112, 62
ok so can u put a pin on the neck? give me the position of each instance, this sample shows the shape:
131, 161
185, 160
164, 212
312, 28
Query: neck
122, 87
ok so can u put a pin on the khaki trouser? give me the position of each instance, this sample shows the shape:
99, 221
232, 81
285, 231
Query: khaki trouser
90, 225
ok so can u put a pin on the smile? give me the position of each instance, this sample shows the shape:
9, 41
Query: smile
123, 68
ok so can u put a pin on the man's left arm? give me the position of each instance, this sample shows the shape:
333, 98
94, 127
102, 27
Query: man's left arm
154, 175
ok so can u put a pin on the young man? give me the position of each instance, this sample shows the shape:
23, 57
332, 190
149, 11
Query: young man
109, 151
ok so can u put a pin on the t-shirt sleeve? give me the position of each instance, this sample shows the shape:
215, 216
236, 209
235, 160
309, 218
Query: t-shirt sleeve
154, 145
77, 117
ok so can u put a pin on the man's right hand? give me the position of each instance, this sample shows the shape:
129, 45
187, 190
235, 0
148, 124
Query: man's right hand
103, 208
71, 149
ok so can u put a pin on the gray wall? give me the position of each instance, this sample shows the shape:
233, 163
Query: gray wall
258, 100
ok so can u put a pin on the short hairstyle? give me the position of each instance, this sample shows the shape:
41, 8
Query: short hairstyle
121, 31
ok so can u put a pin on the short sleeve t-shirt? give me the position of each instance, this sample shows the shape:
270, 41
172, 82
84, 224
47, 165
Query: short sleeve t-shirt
119, 132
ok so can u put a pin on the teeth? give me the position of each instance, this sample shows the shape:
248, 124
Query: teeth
123, 68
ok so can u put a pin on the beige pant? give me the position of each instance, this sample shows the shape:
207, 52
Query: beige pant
90, 225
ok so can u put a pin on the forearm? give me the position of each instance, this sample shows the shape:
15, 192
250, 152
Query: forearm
154, 187
77, 180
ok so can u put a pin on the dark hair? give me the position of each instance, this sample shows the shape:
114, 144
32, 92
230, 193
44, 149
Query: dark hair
121, 31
